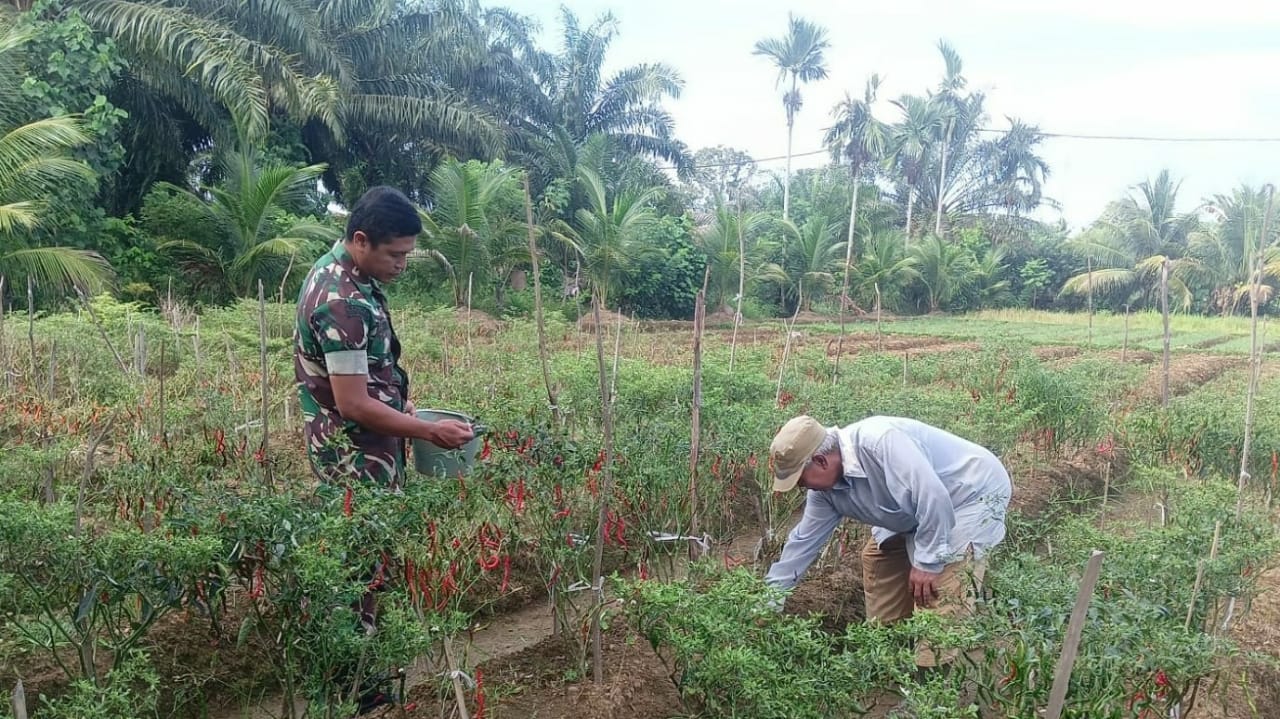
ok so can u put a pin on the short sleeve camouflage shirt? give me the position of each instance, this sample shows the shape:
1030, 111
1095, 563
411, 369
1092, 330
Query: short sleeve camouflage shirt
343, 327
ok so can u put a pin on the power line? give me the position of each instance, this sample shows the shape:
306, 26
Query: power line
1053, 135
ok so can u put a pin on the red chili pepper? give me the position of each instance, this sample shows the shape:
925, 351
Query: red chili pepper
715, 467
644, 571
347, 502
456, 543
488, 563
1013, 673
485, 449
479, 693
506, 574
563, 513
559, 494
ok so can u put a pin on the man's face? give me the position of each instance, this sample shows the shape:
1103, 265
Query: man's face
384, 262
823, 473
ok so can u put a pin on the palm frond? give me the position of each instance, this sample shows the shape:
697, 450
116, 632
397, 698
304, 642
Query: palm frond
58, 268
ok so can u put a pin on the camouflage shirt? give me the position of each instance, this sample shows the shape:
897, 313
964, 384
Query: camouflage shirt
344, 328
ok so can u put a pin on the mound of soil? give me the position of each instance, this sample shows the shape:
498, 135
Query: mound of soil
608, 318
483, 324
1054, 352
533, 683
1186, 373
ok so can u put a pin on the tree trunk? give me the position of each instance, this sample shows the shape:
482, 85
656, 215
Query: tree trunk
942, 177
742, 284
1089, 262
695, 440
791, 124
848, 264
911, 201
537, 307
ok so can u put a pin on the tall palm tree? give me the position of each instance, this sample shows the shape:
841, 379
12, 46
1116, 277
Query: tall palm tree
35, 161
372, 76
798, 55
950, 105
472, 227
607, 235
859, 139
578, 101
260, 241
912, 138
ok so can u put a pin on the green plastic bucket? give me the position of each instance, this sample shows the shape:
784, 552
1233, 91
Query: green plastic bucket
435, 461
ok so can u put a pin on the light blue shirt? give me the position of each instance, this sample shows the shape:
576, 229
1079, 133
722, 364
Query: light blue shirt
902, 476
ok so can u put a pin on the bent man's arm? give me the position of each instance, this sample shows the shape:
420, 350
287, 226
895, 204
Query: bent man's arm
351, 393
805, 542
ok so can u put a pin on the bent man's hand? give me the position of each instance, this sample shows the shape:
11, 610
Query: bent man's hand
449, 433
924, 586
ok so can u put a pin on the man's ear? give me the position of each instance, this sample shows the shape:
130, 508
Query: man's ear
360, 238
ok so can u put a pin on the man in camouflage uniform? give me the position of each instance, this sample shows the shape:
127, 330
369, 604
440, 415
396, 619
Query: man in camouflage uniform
354, 394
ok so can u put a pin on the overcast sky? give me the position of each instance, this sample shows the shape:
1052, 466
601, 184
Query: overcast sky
1116, 67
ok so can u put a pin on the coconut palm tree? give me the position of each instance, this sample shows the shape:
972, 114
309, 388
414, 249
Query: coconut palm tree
734, 248
885, 271
607, 235
473, 226
810, 257
35, 161
798, 55
261, 241
1135, 239
946, 270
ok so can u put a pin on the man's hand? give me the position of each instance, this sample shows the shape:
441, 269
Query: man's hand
923, 586
448, 433
409, 409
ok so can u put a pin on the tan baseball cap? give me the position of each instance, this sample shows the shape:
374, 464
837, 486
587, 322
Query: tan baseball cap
792, 448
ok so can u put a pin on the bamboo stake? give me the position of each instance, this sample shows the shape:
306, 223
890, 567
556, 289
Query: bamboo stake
606, 489
879, 334
1124, 348
164, 425
94, 442
537, 307
456, 675
1071, 643
262, 366
470, 275
742, 283
1164, 310
1195, 588
19, 701
31, 322
102, 331
617, 351
1255, 354
1089, 262
786, 347
50, 496
695, 442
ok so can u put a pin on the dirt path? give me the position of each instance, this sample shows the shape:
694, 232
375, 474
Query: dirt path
1186, 373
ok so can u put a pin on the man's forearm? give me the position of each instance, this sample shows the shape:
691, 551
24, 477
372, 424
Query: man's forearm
383, 419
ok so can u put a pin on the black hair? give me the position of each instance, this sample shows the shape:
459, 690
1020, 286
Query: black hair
383, 213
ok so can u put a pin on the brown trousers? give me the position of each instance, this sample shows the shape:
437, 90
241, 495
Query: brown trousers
885, 573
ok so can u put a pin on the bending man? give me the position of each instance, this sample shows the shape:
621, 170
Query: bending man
935, 503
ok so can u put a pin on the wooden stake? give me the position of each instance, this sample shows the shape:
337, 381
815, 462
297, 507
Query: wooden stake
470, 275
1164, 310
879, 335
49, 494
695, 447
31, 322
786, 347
87, 474
537, 308
1071, 643
1124, 348
742, 284
606, 489
262, 367
1195, 588
19, 701
164, 425
455, 675
1255, 354
1089, 262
